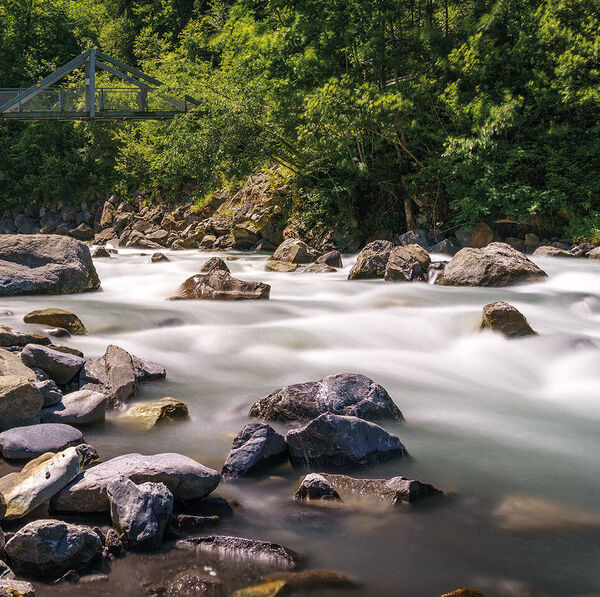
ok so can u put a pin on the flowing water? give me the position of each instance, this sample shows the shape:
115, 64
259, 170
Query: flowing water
486, 418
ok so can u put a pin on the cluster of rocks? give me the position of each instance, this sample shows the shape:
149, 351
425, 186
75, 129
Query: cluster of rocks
293, 254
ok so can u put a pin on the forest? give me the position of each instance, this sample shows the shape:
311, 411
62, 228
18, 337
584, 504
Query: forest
373, 111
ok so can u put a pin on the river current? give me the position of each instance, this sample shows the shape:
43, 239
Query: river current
490, 421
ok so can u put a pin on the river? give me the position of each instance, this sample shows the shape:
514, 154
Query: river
486, 417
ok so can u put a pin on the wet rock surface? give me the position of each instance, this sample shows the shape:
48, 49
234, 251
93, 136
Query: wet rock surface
165, 410
58, 318
506, 319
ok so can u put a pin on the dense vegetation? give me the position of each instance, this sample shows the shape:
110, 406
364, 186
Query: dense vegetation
376, 110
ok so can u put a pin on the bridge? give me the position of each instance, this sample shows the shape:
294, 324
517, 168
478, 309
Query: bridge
146, 98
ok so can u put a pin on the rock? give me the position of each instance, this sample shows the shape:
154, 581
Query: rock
407, 264
59, 318
280, 266
594, 253
185, 478
83, 407
394, 492
332, 258
82, 232
10, 337
262, 553
371, 261
477, 237
190, 521
88, 456
334, 442
5, 572
147, 371
165, 410
319, 268
504, 318
292, 583
140, 512
20, 402
257, 447
414, 237
51, 393
551, 252
191, 585
158, 257
16, 588
11, 364
113, 542
498, 264
31, 441
532, 240
57, 332
343, 394
464, 592
101, 253
60, 366
45, 264
219, 285
52, 547
446, 246
214, 264
38, 481
293, 250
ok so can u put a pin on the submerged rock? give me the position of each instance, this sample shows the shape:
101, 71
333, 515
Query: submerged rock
191, 585
506, 319
31, 441
165, 410
58, 318
214, 264
280, 266
219, 285
257, 447
332, 258
407, 264
498, 264
371, 261
185, 478
344, 394
334, 442
52, 547
20, 402
316, 486
83, 407
293, 250
10, 337
45, 264
60, 366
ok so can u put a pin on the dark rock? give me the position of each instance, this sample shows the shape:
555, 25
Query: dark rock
45, 264
5, 572
57, 332
293, 250
113, 542
463, 592
414, 237
477, 237
552, 252
409, 263
100, 253
319, 268
20, 402
498, 264
24, 443
332, 258
59, 318
447, 246
214, 264
191, 585
219, 285
334, 442
344, 394
371, 261
158, 257
84, 407
316, 486
146, 370
257, 447
504, 318
83, 232
188, 522
10, 337
61, 367
50, 392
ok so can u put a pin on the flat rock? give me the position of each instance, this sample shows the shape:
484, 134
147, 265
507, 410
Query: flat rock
16, 588
407, 264
343, 394
165, 410
280, 266
372, 260
52, 547
497, 264
506, 319
83, 407
62, 367
185, 478
20, 402
219, 285
50, 392
31, 441
11, 364
58, 318
332, 258
549, 251
10, 337
45, 264
294, 250
256, 448
214, 264
140, 512
335, 443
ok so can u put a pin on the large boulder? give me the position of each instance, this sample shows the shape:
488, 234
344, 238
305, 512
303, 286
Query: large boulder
219, 285
498, 264
62, 367
20, 402
371, 261
417, 236
45, 264
140, 512
52, 547
185, 478
476, 237
549, 251
407, 264
31, 441
342, 394
10, 337
38, 481
165, 410
447, 246
84, 407
11, 364
293, 250
255, 448
335, 443
506, 319
332, 258
57, 318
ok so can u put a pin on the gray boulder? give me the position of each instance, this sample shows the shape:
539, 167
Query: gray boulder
20, 402
146, 370
371, 261
447, 246
16, 588
548, 251
45, 264
185, 478
332, 258
10, 337
51, 547
60, 366
506, 319
257, 447
334, 442
11, 364
343, 394
140, 512
293, 250
219, 285
31, 441
83, 407
407, 264
417, 236
497, 264
214, 264
50, 392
